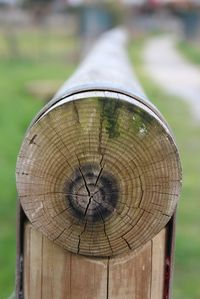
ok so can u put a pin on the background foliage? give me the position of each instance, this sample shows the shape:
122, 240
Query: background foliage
48, 57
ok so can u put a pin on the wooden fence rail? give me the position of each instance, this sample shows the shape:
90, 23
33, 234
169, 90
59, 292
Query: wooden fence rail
98, 177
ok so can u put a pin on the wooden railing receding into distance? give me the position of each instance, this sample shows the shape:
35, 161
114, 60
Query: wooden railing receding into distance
98, 177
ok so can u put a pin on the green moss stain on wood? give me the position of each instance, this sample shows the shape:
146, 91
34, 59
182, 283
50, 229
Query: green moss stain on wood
109, 114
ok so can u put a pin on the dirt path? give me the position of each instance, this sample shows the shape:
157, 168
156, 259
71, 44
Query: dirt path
172, 72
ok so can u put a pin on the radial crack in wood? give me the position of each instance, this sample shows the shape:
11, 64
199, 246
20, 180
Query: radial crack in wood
104, 177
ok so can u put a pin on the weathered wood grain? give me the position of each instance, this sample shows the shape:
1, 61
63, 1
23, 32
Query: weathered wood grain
98, 171
158, 265
130, 277
50, 272
88, 277
103, 177
98, 175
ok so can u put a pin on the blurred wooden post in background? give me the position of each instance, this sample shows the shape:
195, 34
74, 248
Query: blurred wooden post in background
98, 177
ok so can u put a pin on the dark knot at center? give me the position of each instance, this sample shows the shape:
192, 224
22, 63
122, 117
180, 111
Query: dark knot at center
92, 193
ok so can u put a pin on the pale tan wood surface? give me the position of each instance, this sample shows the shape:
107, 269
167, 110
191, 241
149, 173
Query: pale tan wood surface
88, 277
99, 176
53, 273
50, 272
98, 172
158, 265
141, 273
130, 277
107, 63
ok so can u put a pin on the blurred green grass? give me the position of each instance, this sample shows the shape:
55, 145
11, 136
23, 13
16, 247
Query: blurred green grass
190, 50
17, 108
36, 43
187, 132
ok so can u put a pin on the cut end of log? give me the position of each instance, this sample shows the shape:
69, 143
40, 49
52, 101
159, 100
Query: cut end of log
91, 193
99, 174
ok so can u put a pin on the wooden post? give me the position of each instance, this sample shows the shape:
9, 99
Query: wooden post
98, 177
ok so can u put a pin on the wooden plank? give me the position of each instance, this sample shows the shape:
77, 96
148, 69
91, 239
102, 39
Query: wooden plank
56, 271
158, 265
88, 278
46, 267
32, 263
99, 172
141, 273
130, 276
53, 273
27, 265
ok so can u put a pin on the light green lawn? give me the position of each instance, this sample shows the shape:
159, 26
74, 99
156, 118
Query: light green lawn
17, 108
40, 44
190, 50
